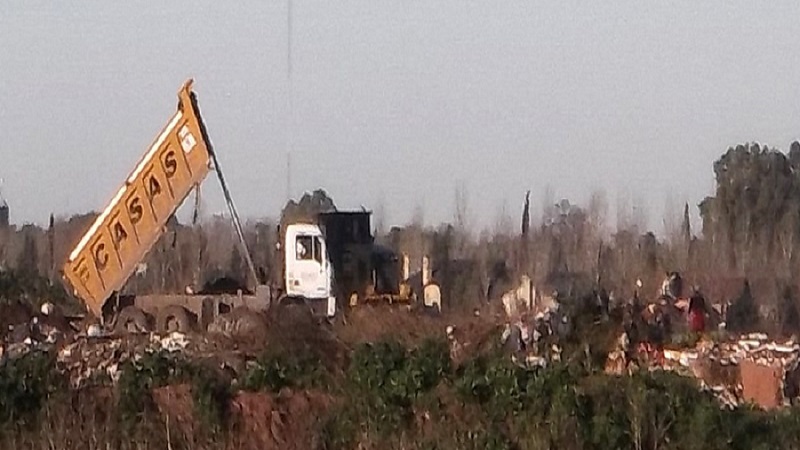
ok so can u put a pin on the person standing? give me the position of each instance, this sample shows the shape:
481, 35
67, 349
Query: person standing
697, 312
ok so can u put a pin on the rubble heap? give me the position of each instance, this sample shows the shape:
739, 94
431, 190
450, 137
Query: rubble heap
748, 369
89, 358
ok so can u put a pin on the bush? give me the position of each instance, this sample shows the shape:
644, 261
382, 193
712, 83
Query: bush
26, 383
273, 372
210, 398
210, 393
503, 388
489, 439
137, 381
488, 402
428, 365
377, 373
340, 427
387, 379
659, 409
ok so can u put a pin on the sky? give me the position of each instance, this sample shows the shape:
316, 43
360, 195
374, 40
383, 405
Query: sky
397, 104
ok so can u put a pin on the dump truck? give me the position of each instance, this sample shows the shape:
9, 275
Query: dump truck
334, 253
327, 261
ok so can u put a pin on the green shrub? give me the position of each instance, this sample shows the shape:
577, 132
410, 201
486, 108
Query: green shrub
26, 383
381, 384
387, 379
504, 388
210, 393
428, 365
137, 381
339, 429
491, 438
609, 426
508, 407
497, 384
210, 398
273, 372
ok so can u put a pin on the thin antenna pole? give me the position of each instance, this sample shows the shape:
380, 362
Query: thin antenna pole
288, 176
289, 101
289, 39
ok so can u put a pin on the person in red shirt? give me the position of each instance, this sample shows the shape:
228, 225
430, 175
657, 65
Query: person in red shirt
697, 312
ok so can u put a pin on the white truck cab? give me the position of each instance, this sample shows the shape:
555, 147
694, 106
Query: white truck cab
308, 270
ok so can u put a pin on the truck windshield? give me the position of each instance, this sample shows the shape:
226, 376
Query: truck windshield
308, 248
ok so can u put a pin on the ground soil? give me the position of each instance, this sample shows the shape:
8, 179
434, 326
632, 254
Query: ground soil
265, 421
261, 420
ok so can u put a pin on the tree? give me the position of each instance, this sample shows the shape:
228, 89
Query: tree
686, 226
648, 251
755, 207
380, 218
526, 215
788, 313
237, 267
51, 246
28, 260
461, 209
743, 313
524, 249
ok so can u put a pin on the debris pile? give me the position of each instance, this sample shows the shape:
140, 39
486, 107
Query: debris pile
23, 329
536, 339
88, 358
749, 369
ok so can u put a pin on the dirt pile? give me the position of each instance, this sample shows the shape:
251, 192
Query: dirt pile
260, 420
285, 421
369, 324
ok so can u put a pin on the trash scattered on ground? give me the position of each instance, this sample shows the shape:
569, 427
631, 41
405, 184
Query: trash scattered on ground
746, 369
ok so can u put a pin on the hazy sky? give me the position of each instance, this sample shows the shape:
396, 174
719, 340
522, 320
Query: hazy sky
397, 102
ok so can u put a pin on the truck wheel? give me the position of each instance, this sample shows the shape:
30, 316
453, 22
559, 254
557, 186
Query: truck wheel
132, 320
174, 318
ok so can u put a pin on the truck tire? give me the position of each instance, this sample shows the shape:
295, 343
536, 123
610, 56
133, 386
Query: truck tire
132, 320
174, 318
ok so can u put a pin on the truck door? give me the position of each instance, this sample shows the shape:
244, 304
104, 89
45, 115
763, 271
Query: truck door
307, 271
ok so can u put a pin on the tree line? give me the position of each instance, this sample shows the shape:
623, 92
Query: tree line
750, 231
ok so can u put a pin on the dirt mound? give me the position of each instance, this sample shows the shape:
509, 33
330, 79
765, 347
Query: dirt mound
293, 329
467, 333
477, 328
175, 403
371, 323
261, 420
285, 421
